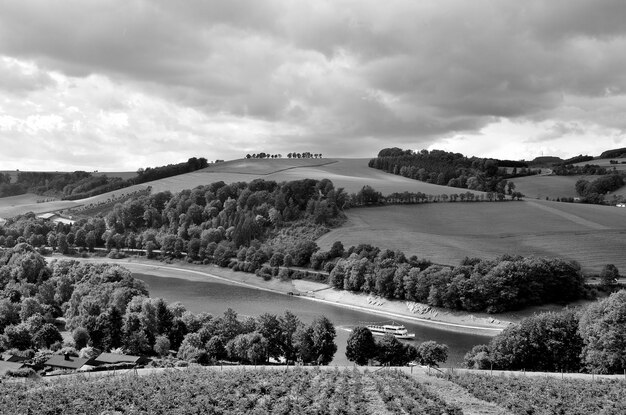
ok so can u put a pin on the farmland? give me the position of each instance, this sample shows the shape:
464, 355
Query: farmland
238, 391
522, 395
447, 232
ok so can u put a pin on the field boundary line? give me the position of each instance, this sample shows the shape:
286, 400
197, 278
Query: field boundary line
576, 219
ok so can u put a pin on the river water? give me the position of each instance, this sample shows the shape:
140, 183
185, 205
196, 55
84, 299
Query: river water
215, 297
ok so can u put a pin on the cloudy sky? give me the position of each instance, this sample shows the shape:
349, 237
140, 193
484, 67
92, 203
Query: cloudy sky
117, 85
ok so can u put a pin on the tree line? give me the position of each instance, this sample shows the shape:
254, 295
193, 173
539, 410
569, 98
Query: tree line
362, 349
80, 184
450, 169
588, 340
594, 191
498, 285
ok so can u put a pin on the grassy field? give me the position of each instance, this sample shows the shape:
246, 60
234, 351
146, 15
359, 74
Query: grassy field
351, 174
445, 233
540, 187
606, 163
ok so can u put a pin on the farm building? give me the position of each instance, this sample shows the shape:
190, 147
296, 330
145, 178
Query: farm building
67, 362
55, 217
14, 358
115, 358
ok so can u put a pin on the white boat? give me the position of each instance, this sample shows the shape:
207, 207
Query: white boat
397, 330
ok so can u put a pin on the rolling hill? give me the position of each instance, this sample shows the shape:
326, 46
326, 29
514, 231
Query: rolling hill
351, 174
445, 233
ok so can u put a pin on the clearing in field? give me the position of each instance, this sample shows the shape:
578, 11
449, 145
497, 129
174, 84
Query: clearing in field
445, 233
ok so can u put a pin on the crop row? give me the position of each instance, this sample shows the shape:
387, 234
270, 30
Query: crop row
401, 395
522, 395
231, 392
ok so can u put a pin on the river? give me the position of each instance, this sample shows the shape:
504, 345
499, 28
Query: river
215, 297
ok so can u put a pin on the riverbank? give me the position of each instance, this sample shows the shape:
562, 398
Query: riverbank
456, 321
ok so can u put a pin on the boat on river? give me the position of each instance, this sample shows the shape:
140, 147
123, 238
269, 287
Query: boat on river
397, 330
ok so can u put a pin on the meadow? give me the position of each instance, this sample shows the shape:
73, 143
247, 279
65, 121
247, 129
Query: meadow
540, 187
445, 233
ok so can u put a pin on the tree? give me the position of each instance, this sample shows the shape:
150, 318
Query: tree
81, 337
431, 353
215, 348
62, 244
268, 325
391, 351
90, 241
603, 330
361, 346
323, 337
17, 337
609, 276
162, 346
289, 325
545, 342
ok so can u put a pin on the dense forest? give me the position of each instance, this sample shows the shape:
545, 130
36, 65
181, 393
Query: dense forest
106, 308
498, 285
80, 184
451, 169
591, 339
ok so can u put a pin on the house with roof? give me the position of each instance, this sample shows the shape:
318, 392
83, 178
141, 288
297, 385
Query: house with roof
8, 366
116, 358
55, 217
67, 362
14, 358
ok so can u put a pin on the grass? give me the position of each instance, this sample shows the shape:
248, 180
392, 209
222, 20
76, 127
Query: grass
606, 163
17, 205
540, 187
445, 233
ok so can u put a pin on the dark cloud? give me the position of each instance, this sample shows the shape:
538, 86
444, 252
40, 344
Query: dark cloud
333, 73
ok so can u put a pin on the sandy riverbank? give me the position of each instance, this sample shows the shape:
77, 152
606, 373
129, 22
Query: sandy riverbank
474, 323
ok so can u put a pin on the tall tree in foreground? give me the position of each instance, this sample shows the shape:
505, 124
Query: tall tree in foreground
361, 346
603, 329
323, 337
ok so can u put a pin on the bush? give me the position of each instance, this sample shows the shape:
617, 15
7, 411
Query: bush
21, 373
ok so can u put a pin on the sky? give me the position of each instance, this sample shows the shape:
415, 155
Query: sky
123, 84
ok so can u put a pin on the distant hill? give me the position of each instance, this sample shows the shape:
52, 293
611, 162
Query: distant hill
545, 161
616, 153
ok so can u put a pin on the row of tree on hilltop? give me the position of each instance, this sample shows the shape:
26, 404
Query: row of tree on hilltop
305, 155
